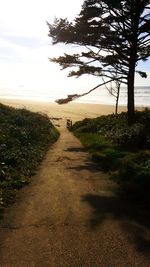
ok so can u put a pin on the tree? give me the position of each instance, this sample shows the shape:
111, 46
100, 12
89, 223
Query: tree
114, 90
114, 36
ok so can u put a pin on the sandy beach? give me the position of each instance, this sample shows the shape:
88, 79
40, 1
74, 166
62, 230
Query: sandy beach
74, 111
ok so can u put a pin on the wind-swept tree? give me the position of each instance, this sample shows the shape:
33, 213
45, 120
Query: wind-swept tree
113, 35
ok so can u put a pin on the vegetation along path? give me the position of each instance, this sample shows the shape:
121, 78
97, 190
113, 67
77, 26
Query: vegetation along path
69, 216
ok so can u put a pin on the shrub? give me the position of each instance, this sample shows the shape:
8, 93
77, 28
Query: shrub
115, 128
120, 147
129, 136
24, 139
134, 174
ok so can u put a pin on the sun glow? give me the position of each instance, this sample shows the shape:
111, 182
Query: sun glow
25, 48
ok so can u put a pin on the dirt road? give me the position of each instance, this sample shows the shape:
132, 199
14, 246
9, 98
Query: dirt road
69, 216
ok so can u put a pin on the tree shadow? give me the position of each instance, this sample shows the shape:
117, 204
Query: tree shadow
1, 213
87, 164
133, 218
75, 149
90, 166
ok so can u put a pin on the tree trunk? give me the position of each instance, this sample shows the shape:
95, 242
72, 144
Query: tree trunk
117, 98
131, 108
132, 62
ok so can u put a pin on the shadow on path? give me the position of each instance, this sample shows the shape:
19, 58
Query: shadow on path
87, 166
1, 213
134, 220
75, 149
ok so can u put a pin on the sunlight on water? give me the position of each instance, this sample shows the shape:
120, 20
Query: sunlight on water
99, 96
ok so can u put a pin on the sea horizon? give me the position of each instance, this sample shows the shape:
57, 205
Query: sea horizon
100, 96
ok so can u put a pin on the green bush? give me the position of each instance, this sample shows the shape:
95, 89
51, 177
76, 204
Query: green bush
117, 146
134, 174
129, 136
115, 128
24, 139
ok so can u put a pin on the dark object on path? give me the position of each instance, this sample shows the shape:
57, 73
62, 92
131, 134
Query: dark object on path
69, 124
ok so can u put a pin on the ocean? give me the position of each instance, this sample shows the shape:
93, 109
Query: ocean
99, 96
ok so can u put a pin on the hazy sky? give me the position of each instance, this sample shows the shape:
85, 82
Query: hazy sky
25, 46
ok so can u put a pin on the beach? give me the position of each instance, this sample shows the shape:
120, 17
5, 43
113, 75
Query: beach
73, 111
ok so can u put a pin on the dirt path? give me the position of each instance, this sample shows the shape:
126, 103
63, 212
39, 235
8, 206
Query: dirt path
68, 216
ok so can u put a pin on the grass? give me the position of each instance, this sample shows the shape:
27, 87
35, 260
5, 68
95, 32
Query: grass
24, 139
122, 150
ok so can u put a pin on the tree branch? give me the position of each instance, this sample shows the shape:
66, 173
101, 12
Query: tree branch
76, 96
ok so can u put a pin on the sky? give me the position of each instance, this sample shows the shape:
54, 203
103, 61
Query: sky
25, 48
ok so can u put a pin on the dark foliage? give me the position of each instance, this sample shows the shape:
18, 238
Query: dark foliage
122, 149
24, 139
116, 129
134, 174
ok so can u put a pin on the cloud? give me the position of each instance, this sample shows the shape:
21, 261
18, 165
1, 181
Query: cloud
23, 30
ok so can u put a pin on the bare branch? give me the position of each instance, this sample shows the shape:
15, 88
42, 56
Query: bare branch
76, 96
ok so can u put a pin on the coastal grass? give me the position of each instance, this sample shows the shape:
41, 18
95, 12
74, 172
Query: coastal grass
121, 149
24, 139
